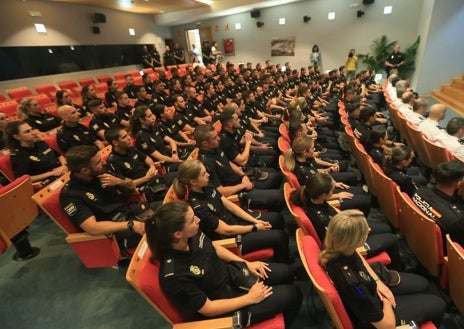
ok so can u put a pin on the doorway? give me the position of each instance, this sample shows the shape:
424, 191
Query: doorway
197, 37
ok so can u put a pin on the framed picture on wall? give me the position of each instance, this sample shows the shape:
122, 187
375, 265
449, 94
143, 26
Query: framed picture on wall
229, 47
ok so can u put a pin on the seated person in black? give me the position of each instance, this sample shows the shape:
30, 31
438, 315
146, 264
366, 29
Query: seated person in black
152, 141
95, 201
194, 105
88, 93
129, 89
369, 302
124, 109
230, 179
444, 202
30, 156
196, 278
237, 149
102, 118
378, 138
221, 218
110, 96
171, 128
126, 161
313, 197
32, 114
300, 160
398, 168
73, 133
143, 98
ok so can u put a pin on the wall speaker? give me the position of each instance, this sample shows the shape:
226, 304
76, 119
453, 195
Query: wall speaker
259, 24
360, 13
255, 13
306, 19
99, 18
368, 2
95, 30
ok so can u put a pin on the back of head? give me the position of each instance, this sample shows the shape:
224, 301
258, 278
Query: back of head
367, 113
112, 134
448, 173
167, 219
78, 157
316, 185
94, 103
202, 133
455, 125
378, 132
420, 105
226, 116
437, 111
346, 231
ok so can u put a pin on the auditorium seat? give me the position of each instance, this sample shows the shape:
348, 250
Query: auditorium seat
86, 81
119, 75
101, 87
43, 99
48, 89
103, 78
67, 85
10, 108
19, 93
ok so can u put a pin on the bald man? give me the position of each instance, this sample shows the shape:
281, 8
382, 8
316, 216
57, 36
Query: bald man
430, 127
73, 133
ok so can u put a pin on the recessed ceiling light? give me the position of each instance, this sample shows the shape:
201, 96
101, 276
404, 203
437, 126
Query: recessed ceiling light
282, 21
387, 10
131, 32
238, 26
40, 28
331, 16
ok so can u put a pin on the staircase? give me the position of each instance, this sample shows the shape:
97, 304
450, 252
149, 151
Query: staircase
452, 95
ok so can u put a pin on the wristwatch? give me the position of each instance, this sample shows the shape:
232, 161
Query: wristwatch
130, 225
254, 228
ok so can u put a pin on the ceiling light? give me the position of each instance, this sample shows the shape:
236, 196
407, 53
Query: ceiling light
282, 21
238, 26
331, 16
131, 32
387, 10
40, 28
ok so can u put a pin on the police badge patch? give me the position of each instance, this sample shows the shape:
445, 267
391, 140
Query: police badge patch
70, 209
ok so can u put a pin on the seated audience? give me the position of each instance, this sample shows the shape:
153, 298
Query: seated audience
451, 139
32, 114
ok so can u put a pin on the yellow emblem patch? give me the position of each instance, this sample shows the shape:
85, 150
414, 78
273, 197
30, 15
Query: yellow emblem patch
195, 270
90, 196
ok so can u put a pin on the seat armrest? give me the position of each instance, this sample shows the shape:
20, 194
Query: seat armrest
81, 237
221, 323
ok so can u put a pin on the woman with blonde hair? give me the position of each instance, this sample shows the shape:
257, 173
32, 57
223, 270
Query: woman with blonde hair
32, 113
221, 218
301, 161
370, 303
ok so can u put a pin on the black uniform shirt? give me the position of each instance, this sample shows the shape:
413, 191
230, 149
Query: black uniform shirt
188, 278
230, 143
68, 137
446, 211
81, 200
377, 155
404, 181
151, 140
123, 113
320, 215
34, 161
363, 133
219, 169
209, 208
43, 122
103, 122
131, 164
304, 169
194, 105
357, 290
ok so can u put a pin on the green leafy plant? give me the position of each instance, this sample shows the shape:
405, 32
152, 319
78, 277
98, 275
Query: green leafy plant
381, 48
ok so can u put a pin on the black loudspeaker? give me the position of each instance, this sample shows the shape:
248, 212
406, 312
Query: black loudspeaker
99, 18
95, 30
360, 13
259, 24
306, 19
368, 2
255, 13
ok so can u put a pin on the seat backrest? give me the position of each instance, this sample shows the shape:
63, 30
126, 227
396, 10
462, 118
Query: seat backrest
43, 100
144, 277
284, 132
386, 194
289, 176
48, 89
418, 143
455, 272
309, 253
103, 78
362, 161
283, 145
10, 108
19, 93
302, 220
5, 167
18, 209
67, 85
422, 234
48, 199
436, 153
86, 81
53, 143
170, 196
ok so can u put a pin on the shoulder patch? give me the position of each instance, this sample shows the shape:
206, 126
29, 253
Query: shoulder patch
70, 209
